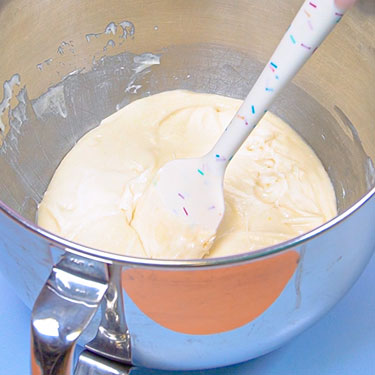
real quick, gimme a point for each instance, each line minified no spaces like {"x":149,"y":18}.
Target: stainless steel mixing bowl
{"x":66,"y":65}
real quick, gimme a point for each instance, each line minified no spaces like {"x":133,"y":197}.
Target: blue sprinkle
{"x":292,"y":38}
{"x":217,"y":155}
{"x":274,"y":65}
{"x":253,"y":109}
{"x":200,"y":172}
{"x":277,"y":77}
{"x":269,"y":89}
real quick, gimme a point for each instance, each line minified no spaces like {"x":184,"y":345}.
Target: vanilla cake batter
{"x":275,"y":187}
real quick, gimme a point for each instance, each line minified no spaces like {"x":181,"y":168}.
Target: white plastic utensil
{"x":192,"y":189}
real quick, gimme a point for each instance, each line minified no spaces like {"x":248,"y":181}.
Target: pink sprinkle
{"x":312,"y":4}
{"x":310,"y":25}
{"x":242,"y":118}
{"x":339,"y":14}
{"x":220,"y":158}
{"x":186,"y":213}
{"x":180,"y":195}
{"x":272,"y":68}
{"x":305,"y":46}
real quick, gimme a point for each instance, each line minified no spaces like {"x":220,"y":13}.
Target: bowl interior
{"x":116,"y":52}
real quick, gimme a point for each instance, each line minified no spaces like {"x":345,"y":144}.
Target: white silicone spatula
{"x":192,"y":189}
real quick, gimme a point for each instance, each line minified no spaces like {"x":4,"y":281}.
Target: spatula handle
{"x":313,"y":22}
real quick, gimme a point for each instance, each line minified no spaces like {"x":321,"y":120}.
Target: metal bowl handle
{"x":63,"y":309}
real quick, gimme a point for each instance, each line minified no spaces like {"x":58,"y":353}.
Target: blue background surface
{"x":343,"y":342}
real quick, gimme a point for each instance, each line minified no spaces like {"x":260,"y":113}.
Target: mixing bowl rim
{"x":106,"y":257}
